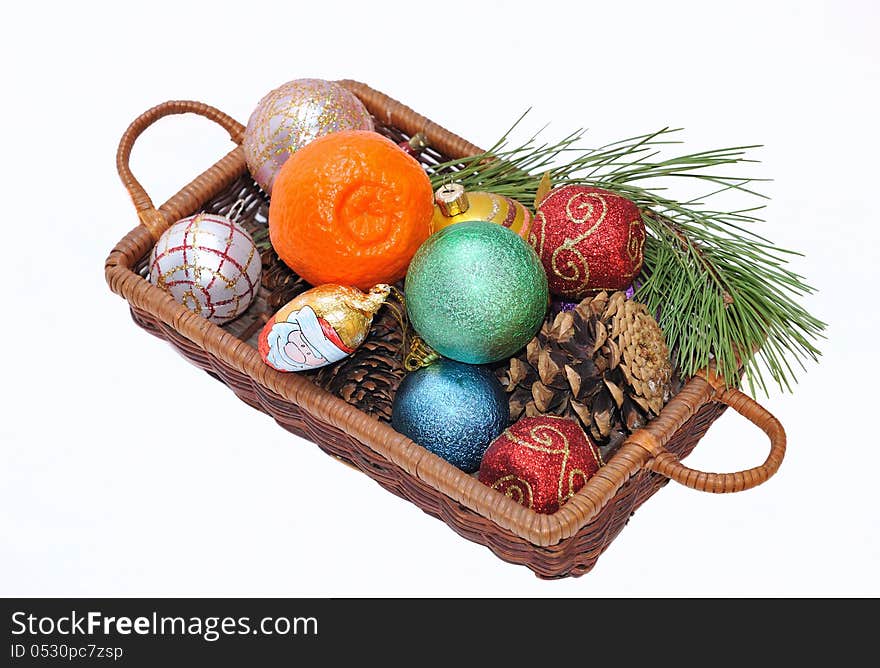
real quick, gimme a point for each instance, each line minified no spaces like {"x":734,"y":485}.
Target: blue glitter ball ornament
{"x":454,"y":410}
{"x":476,"y":292}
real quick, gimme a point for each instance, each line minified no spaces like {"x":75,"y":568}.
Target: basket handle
{"x":150,"y":218}
{"x":668,"y":464}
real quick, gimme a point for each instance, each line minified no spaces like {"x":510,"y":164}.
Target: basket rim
{"x":539,"y":529}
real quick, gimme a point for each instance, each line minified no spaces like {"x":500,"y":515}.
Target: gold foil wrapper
{"x":347,"y":310}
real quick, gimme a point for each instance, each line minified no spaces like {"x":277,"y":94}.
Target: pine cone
{"x":604,"y":364}
{"x":280,"y":282}
{"x":646,"y":364}
{"x":369,"y":378}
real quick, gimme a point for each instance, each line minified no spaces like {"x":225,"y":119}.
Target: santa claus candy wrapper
{"x":320,"y":326}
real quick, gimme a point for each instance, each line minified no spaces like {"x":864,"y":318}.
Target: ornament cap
{"x":452,"y":199}
{"x":420,"y":355}
{"x":416,"y":144}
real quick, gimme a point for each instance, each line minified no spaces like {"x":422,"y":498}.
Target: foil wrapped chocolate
{"x":320,"y":326}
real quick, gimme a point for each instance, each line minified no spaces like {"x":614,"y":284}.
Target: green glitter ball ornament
{"x":476,"y":292}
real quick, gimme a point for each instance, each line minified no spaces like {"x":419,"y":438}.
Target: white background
{"x":127,"y":471}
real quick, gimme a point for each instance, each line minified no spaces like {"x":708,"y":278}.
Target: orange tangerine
{"x":350,"y":208}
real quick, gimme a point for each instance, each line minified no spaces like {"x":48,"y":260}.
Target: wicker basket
{"x":566,"y":543}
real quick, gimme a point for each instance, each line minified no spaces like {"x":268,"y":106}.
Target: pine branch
{"x":721,"y":291}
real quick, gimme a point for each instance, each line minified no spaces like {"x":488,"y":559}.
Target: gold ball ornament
{"x":453,"y":204}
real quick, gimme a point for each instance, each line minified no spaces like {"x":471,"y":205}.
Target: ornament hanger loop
{"x":397,"y":294}
{"x":420,"y":355}
{"x":396,"y":303}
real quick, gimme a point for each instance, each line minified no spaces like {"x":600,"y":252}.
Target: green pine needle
{"x":721,"y":291}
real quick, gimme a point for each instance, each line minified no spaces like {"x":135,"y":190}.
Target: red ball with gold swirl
{"x":540,"y":462}
{"x":589,"y":239}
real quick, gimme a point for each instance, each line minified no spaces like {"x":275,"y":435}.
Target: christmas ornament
{"x":604,"y":364}
{"x":319,"y":327}
{"x":540,"y":462}
{"x":208,"y":263}
{"x":350,"y":208}
{"x":454,"y":205}
{"x":293,"y":115}
{"x":588,"y":239}
{"x":454,"y":410}
{"x":476,"y":292}
{"x":415,"y":144}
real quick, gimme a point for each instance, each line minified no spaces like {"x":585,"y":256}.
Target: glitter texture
{"x":562,"y":306}
{"x":209,"y":264}
{"x":476,"y":292}
{"x":291,"y":116}
{"x":588,"y":239}
{"x":454,"y":410}
{"x":540,"y":462}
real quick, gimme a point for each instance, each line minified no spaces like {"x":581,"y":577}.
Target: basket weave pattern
{"x":567,"y":543}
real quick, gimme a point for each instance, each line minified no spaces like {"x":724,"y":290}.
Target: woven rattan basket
{"x":566,"y":543}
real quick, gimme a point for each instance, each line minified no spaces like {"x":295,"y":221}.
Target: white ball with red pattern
{"x":209,"y":264}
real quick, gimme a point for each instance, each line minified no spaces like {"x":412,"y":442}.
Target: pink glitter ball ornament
{"x":291,"y":116}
